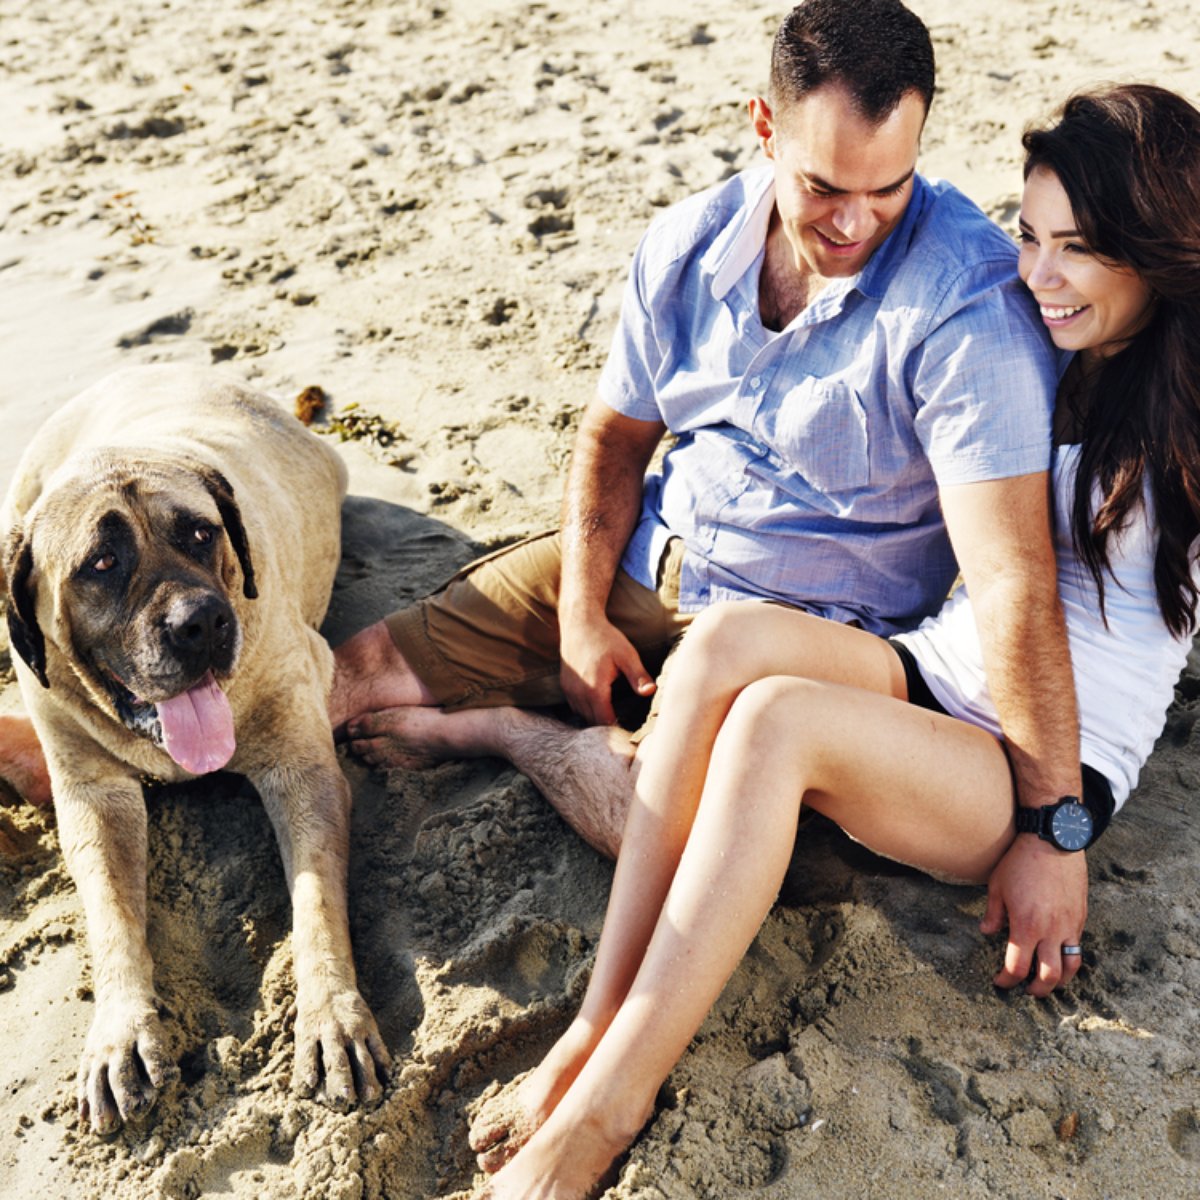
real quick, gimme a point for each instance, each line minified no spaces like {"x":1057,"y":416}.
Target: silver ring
{"x":1072,"y":950}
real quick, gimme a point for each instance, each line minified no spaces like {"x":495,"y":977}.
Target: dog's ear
{"x":221,"y":491}
{"x":24,"y":633}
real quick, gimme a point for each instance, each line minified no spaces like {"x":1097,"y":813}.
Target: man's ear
{"x":763,"y":122}
{"x":24,"y":633}
{"x":220,"y":489}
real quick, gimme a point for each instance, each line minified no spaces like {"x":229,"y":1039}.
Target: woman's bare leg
{"x":727,"y":647}
{"x":913,"y":785}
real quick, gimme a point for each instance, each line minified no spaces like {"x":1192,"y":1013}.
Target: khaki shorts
{"x":490,"y":635}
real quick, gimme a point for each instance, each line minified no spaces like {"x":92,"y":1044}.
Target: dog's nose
{"x":197,"y":627}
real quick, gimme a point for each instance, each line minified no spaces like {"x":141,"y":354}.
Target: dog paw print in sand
{"x":270,"y":268}
{"x":251,"y":341}
{"x":1183,"y":1133}
{"x":553,"y":222}
{"x":498,"y":318}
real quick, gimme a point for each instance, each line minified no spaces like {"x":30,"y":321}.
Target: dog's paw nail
{"x":163,"y":1076}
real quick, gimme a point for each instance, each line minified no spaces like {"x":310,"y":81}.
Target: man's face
{"x":841,"y":183}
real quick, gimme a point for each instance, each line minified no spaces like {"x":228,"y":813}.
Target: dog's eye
{"x":202,"y":535}
{"x":105,"y":562}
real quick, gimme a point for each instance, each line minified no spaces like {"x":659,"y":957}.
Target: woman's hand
{"x":1043,"y":893}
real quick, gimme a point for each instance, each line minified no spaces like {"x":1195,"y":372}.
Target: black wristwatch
{"x":1066,"y":824}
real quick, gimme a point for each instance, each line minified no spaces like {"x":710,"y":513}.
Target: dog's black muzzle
{"x":199,"y":633}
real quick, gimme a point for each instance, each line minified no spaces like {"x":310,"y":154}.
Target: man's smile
{"x":838,"y":246}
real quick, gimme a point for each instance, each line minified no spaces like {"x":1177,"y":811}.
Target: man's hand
{"x":601,"y":504}
{"x":1043,"y":893}
{"x":594,"y":654}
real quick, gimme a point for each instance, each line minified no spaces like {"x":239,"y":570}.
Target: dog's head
{"x":129,"y":576}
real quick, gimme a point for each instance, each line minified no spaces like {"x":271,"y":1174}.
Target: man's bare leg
{"x":586,"y":774}
{"x":22,"y":764}
{"x":391,"y":719}
{"x":370,"y":674}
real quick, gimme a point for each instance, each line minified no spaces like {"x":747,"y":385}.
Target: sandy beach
{"x":427,"y":209}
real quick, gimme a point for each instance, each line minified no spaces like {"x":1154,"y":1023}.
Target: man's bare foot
{"x":370,"y":674}
{"x":416,"y":737}
{"x":22,"y":764}
{"x":507,"y":1117}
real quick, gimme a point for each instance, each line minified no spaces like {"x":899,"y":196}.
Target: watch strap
{"x":1032,"y":820}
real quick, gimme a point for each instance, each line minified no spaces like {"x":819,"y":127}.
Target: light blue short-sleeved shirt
{"x":807,"y":462}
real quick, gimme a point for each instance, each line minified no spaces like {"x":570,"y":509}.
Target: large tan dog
{"x":171,"y":543}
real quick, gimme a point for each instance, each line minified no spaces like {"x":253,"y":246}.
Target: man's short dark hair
{"x":877,"y":49}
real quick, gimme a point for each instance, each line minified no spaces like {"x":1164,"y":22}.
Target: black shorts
{"x":1097,"y":791}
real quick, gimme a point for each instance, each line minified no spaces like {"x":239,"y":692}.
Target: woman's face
{"x":1086,"y":304}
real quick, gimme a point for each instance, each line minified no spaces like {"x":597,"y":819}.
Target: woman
{"x":769,"y":710}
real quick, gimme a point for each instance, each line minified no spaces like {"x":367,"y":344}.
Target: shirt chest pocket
{"x":822,"y":434}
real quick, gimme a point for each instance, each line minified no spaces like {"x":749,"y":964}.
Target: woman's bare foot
{"x":502,"y":1123}
{"x":508,"y":1116}
{"x":573,"y":1156}
{"x":22,"y":764}
{"x":369,"y":674}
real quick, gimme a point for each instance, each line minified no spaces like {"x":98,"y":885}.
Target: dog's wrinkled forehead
{"x":105,"y":500}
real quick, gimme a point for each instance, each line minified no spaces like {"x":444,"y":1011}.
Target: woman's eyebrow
{"x":1054,"y":233}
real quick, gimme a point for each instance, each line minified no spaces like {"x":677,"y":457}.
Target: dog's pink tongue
{"x":198,"y":727}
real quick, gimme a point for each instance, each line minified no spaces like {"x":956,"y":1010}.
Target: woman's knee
{"x":763,"y":757}
{"x":723,"y":643}
{"x":777,"y":714}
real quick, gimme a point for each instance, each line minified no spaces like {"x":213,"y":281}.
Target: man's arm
{"x":601,"y":504}
{"x":1001,"y":535}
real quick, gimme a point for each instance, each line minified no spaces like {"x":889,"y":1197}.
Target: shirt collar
{"x":736,"y":248}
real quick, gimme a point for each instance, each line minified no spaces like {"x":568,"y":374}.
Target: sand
{"x":427,"y":209}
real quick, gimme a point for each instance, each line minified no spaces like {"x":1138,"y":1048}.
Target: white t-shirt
{"x":1124,"y":674}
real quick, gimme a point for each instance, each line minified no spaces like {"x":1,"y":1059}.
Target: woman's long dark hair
{"x":1129,"y":160}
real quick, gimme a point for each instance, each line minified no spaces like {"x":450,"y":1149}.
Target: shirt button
{"x":756,"y":383}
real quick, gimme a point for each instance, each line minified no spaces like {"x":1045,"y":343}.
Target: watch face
{"x":1071,"y":826}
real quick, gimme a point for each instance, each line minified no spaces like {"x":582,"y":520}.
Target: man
{"x":855,"y":381}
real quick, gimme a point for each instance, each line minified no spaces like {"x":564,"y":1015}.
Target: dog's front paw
{"x":340,"y":1057}
{"x":125,"y":1064}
